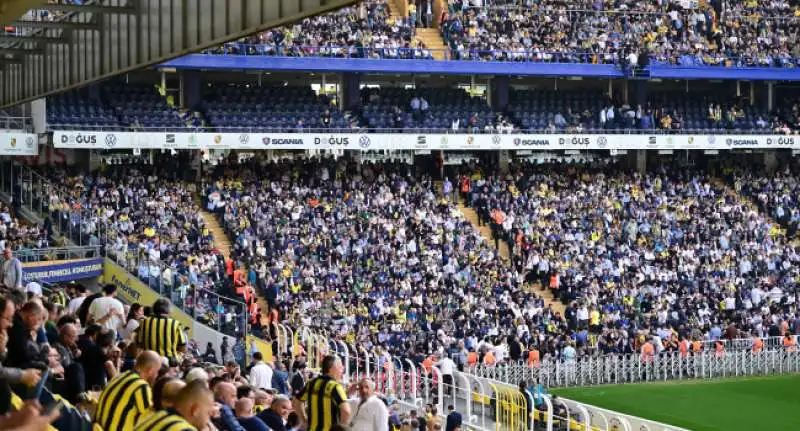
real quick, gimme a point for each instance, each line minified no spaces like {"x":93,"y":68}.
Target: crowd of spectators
{"x":775,"y":193}
{"x":669,"y":255}
{"x":371,"y":253}
{"x":731,"y":33}
{"x":148,"y":219}
{"x":366,"y":30}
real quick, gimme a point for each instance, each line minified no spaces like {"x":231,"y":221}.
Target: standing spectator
{"x":260,"y":373}
{"x":169,"y":340}
{"x":107,"y":311}
{"x":454,"y":419}
{"x":12,"y":270}
{"x":371,"y":413}
{"x":327,"y":392}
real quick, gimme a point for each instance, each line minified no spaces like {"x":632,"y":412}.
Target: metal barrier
{"x":631,"y":368}
{"x":56,"y":253}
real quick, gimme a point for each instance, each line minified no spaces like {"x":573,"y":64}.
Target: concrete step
{"x":221,"y":240}
{"x":434,"y":41}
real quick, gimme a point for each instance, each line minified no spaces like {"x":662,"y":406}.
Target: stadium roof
{"x":79,"y":44}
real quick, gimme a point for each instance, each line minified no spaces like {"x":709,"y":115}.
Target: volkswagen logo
{"x":29,"y":141}
{"x":602,"y":141}
{"x":244,"y":138}
{"x":712,"y":139}
{"x":111,"y":140}
{"x":496,"y":139}
{"x":364,"y":141}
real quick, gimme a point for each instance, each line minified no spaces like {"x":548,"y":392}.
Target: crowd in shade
{"x":365,"y":30}
{"x":152,"y":226}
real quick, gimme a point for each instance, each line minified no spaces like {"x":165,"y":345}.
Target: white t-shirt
{"x":130,"y":328}
{"x":102,"y":306}
{"x":75,"y":304}
{"x":261,"y":376}
{"x":372,"y":415}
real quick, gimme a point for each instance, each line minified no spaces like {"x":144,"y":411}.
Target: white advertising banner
{"x":410,"y":141}
{"x":18,"y":144}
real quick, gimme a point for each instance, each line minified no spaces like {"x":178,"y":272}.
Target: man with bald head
{"x":370,"y":412}
{"x":225,"y":395}
{"x":129,"y":395}
{"x":194,"y":405}
{"x":244,"y":414}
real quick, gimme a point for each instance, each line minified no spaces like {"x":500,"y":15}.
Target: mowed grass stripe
{"x":749,"y":404}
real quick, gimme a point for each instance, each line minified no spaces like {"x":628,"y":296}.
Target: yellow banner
{"x":264,"y":347}
{"x":130,"y":289}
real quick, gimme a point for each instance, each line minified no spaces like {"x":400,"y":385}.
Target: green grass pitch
{"x":744,"y":404}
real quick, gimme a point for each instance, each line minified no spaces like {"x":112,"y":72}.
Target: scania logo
{"x":111,"y":140}
{"x":364,"y":141}
{"x":265,"y":141}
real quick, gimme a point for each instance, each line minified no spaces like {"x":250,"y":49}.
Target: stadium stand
{"x":239,"y":108}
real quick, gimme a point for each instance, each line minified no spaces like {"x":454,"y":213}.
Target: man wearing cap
{"x":12,"y":270}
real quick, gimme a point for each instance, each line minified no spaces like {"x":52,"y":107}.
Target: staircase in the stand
{"x":221,"y":240}
{"x":433,"y":40}
{"x":398,"y":9}
{"x":472,"y":216}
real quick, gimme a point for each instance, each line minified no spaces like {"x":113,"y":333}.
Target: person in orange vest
{"x":789,"y":343}
{"x":489,"y":359}
{"x":758,"y":344}
{"x":534,"y":358}
{"x":697,"y":347}
{"x":648,"y":351}
{"x":472,"y":358}
{"x":465,"y":188}
{"x":683,"y":347}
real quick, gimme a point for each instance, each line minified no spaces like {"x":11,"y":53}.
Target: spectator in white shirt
{"x":261,"y":373}
{"x":75,"y":303}
{"x":107,"y":311}
{"x":371,"y":413}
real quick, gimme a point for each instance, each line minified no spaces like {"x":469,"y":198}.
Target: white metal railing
{"x":631,"y":368}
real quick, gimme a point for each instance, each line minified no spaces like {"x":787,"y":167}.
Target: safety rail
{"x":228,"y":316}
{"x":56,"y":253}
{"x":413,"y":130}
{"x":633,"y":368}
{"x":475,"y":54}
{"x":485,"y":403}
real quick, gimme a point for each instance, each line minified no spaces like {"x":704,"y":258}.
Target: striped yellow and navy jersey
{"x":162,"y":335}
{"x":322,"y":397}
{"x":60,"y":297}
{"x":123,"y":401}
{"x":164,"y":420}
